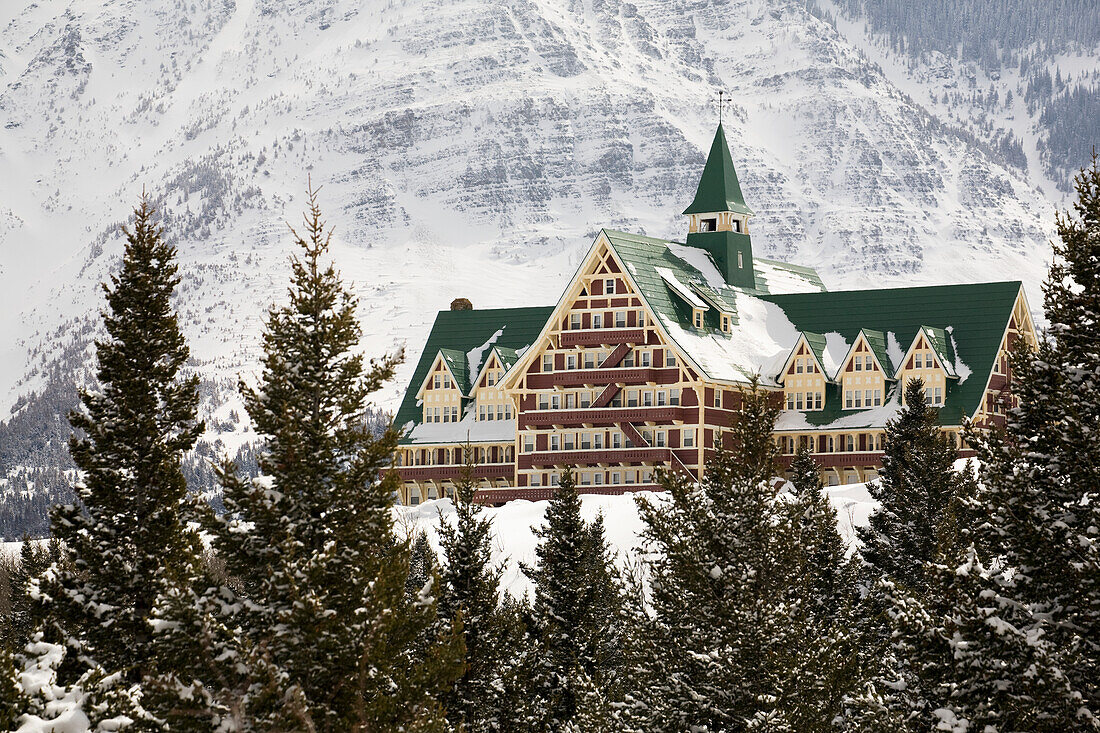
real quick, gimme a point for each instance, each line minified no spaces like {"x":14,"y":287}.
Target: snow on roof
{"x":836,"y":348}
{"x":758,"y":345}
{"x":894,"y":351}
{"x":961,"y":369}
{"x":474,"y":355}
{"x":466,"y":429}
{"x":680,"y":289}
{"x":876,"y":417}
{"x":701,"y":260}
{"x":782,"y":278}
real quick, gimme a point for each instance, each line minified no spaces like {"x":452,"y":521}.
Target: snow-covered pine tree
{"x":574,"y":610}
{"x":733,"y":617}
{"x":20,"y":624}
{"x":469,"y":590}
{"x":917,"y":483}
{"x":422,"y":565}
{"x":125,"y":540}
{"x":1037,"y":546}
{"x":334,"y":644}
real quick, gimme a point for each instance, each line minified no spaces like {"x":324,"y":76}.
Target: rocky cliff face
{"x":464,"y":148}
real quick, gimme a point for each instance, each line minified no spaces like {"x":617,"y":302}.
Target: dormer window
{"x":697,"y":317}
{"x":437,"y":381}
{"x":708,"y":225}
{"x":726,"y":327}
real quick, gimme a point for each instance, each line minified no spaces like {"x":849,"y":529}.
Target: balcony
{"x":601,"y":336}
{"x":627,"y":375}
{"x":607,"y":416}
{"x":496,"y":497}
{"x":608,"y":456}
{"x":435,"y":473}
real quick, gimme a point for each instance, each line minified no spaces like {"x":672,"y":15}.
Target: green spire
{"x":718,"y":188}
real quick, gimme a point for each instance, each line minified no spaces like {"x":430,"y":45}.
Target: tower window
{"x":708,"y":225}
{"x":737,"y":225}
{"x":740,"y":260}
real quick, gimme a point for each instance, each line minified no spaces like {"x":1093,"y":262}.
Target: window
{"x":620,"y":319}
{"x":597,"y":320}
{"x":646,"y":358}
{"x":437,"y":381}
{"x":555,"y":442}
{"x":939,"y":396}
{"x":660,"y":438}
{"x":708,"y":225}
{"x":740,"y":260}
{"x":857,"y":364}
{"x":609,"y":286}
{"x":544,"y":402}
{"x":717,"y":398}
{"x":661,"y":398}
{"x":798,"y":365}
{"x":867,"y":395}
{"x":528,"y":443}
{"x":454,"y":414}
{"x":598,"y":478}
{"x":571,"y":361}
{"x":616,"y":441}
{"x":586,"y":441}
{"x":589,"y":360}
{"x":849,"y":443}
{"x":500,"y":412}
{"x":688,"y":438}
{"x":868,"y":363}
{"x":586,"y":399}
{"x":918,"y":360}
{"x":670,"y":358}
{"x":726,"y":323}
{"x":647,"y":399}
{"x":858,"y":395}
{"x":616,"y":477}
{"x":790,"y":400}
{"x":674,"y":397}
{"x":817,"y":400}
{"x":878,"y":398}
{"x":641,"y":319}
{"x":490,"y":379}
{"x":555,"y":479}
{"x":798,"y":401}
{"x":847,"y":399}
{"x":547,"y":362}
{"x":737,"y":225}
{"x":628,"y":360}
{"x":536,"y":479}
{"x":555,"y":402}
{"x":632,"y":398}
{"x":570,"y":401}
{"x":597,"y":441}
{"x":574,"y":321}
{"x":698,"y":318}
{"x":446,"y":414}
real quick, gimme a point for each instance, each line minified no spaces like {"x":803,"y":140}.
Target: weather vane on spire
{"x":723,"y":100}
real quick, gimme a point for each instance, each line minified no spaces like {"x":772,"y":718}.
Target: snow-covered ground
{"x":514,"y":541}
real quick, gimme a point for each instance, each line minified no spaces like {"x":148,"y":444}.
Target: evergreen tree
{"x":332,"y":641}
{"x":1023,"y":596}
{"x":126,"y":540}
{"x":470,"y":583}
{"x":742,"y":635}
{"x":20,"y":624}
{"x":422,"y":565}
{"x":574,"y":611}
{"x":917,"y":483}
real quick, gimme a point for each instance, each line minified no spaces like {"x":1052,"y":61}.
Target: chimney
{"x":461,"y":304}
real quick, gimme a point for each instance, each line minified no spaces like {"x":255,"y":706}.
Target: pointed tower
{"x":718,"y":219}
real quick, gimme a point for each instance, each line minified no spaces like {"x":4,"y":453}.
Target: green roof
{"x":877,"y":341}
{"x":456,"y":333}
{"x":718,"y":187}
{"x":816,"y":342}
{"x":941,"y":344}
{"x":970,"y":321}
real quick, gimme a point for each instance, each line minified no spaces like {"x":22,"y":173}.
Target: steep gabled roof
{"x":456,"y":362}
{"x":876,"y":341}
{"x":718,"y":187}
{"x":940,"y":342}
{"x":655,"y":263}
{"x":816,"y":344}
{"x":458,"y":333}
{"x":973,"y":319}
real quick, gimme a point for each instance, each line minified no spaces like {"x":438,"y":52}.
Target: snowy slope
{"x":465,"y":148}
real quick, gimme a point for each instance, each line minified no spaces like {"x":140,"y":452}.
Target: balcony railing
{"x":599,"y":455}
{"x":598,"y":336}
{"x":482,"y":470}
{"x":607,"y":415}
{"x":619,"y":375}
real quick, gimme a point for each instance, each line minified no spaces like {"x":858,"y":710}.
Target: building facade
{"x":642,"y":361}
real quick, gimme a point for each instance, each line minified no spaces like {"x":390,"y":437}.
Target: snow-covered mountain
{"x":464,"y":148}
